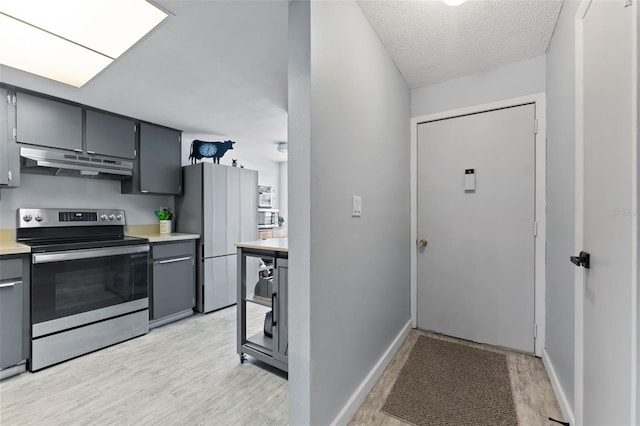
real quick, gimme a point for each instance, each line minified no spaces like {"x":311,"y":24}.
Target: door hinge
{"x":135,"y":128}
{"x":9,"y":99}
{"x":535,"y":330}
{"x":15,"y":133}
{"x":535,"y":126}
{"x":9,"y":176}
{"x":14,"y":100}
{"x":628,"y":3}
{"x":535,"y":229}
{"x":135,"y":153}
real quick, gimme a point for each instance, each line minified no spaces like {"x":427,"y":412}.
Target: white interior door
{"x":476,"y":274}
{"x":605,"y":206}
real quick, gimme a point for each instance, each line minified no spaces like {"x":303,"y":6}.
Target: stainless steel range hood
{"x":59,"y":163}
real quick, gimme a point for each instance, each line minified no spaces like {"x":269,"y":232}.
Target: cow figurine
{"x":203,"y":149}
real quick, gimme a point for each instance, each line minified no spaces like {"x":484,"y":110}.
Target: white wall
{"x":560,"y":198}
{"x":359,"y":268}
{"x":71,"y":192}
{"x":504,"y":82}
{"x":552,"y":73}
{"x":268,"y":170}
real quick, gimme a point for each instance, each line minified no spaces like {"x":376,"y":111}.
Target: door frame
{"x":539,"y":99}
{"x":578,"y":405}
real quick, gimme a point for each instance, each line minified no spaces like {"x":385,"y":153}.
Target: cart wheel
{"x":242,"y":358}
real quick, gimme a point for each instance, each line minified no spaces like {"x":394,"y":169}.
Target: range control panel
{"x":34,"y":218}
{"x":78,"y":217}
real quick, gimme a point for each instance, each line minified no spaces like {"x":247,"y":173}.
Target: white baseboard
{"x":346,"y":414}
{"x":565,"y":407}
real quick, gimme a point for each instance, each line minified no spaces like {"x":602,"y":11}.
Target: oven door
{"x":76,"y":287}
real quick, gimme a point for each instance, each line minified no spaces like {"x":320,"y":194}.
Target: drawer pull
{"x":4,"y":285}
{"x":179,"y":259}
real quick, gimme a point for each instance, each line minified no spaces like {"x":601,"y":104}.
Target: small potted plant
{"x":280,"y":221}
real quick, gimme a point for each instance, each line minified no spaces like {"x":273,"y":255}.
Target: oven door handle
{"x":61,"y":256}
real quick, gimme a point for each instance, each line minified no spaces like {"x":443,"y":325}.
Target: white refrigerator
{"x":220,"y":203}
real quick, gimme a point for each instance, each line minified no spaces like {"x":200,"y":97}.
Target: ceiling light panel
{"x":37,"y":52}
{"x":106,"y":26}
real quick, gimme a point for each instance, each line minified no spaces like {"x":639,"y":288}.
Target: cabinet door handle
{"x":274,"y":313}
{"x":4,"y":285}
{"x":179,"y":259}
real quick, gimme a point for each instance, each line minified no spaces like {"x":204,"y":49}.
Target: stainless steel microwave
{"x":265,"y":197}
{"x":268,"y":218}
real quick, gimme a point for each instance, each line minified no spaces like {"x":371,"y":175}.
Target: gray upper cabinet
{"x":44,"y":122}
{"x":4,"y":137}
{"x":9,"y":155}
{"x":160,"y":169}
{"x":110,"y":135}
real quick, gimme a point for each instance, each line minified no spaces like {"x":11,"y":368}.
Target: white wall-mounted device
{"x":470,"y":180}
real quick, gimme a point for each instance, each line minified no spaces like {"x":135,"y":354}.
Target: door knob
{"x":583,"y":259}
{"x":422,"y":243}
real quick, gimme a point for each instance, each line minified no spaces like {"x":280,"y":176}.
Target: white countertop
{"x":273,"y":244}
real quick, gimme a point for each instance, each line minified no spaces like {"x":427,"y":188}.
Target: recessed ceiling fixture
{"x":283,"y":147}
{"x":69,"y":40}
{"x":453,"y":2}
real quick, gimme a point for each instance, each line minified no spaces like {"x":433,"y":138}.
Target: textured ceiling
{"x":431,"y":42}
{"x":218,"y":69}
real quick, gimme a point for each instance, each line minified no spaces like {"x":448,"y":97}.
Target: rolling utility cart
{"x":270,"y":349}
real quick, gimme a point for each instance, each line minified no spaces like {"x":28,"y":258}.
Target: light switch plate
{"x":356,"y":202}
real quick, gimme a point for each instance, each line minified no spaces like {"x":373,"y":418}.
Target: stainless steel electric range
{"x":89,"y":282}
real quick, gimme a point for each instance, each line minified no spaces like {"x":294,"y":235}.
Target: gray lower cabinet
{"x":13,"y":314}
{"x":109,"y":134}
{"x":173,"y":278}
{"x":44,"y":122}
{"x":158,"y":169}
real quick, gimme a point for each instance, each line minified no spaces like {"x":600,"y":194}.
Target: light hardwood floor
{"x":185,"y":373}
{"x":188,"y":373}
{"x":532,"y":393}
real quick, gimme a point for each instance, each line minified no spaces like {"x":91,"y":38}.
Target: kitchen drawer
{"x":164,"y":250}
{"x":10,"y":268}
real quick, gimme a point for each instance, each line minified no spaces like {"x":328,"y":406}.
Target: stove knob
{"x":112,"y":217}
{"x":27,"y":218}
{"x":39,"y":218}
{"x":119,"y":217}
{"x":103,"y":217}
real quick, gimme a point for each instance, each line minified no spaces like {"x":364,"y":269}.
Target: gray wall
{"x":299,"y":137}
{"x":359,"y":141}
{"x":70,"y":192}
{"x":560,"y":198}
{"x":504,"y":82}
